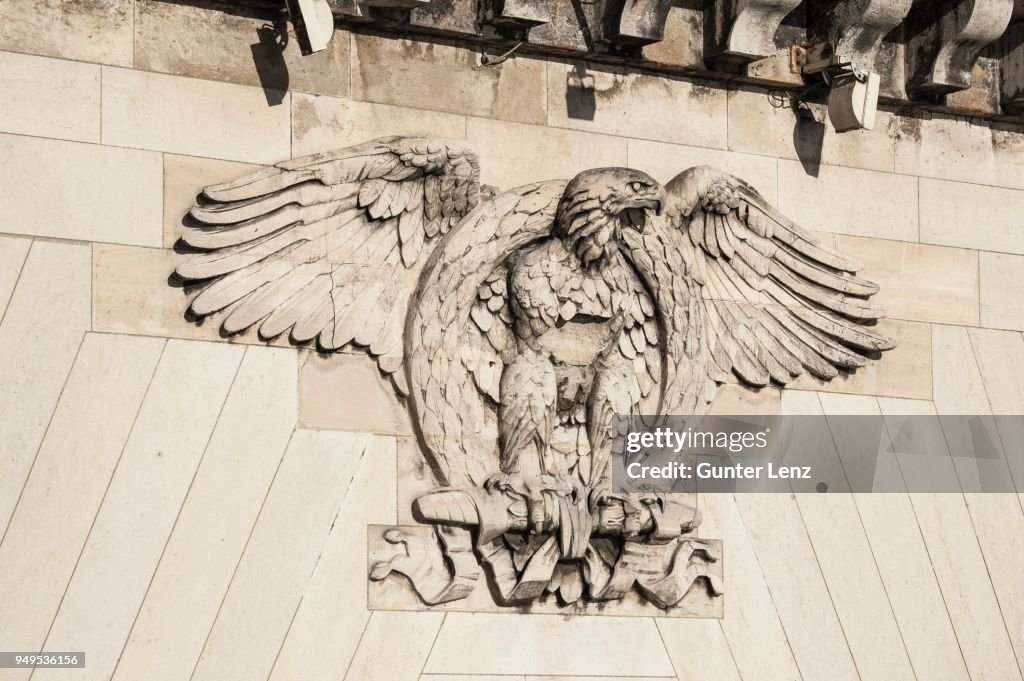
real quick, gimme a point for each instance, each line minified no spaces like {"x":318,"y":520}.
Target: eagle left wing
{"x":775,"y":303}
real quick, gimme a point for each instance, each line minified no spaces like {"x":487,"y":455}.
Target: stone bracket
{"x":636,"y":22}
{"x":855,"y":27}
{"x":742,"y":31}
{"x":946,"y":39}
{"x":514,"y":13}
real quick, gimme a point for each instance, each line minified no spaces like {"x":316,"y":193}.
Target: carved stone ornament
{"x":515,"y":325}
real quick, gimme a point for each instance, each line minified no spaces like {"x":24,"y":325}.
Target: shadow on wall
{"x":268,"y":58}
{"x":808,"y":130}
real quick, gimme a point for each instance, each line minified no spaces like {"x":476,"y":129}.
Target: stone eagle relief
{"x":516,"y":324}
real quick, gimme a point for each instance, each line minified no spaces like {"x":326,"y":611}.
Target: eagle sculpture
{"x":517,"y":324}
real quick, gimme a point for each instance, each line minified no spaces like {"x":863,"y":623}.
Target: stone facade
{"x":184,"y":506}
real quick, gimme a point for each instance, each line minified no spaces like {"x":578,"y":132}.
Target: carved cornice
{"x":922,"y":50}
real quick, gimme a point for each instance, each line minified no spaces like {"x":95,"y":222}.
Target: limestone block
{"x":751,"y":624}
{"x":324,"y":123}
{"x":330,"y":621}
{"x":1000,"y":357}
{"x":13,"y":252}
{"x":289,"y":537}
{"x":798,"y":589}
{"x":849,"y":200}
{"x":193,"y":117}
{"x":49,"y":97}
{"x":184,"y":178}
{"x":972,"y":216}
{"x":919,"y":282}
{"x":963,"y":577}
{"x":65,"y":190}
{"x":38,"y":342}
{"x":665,"y":161}
{"x":132,"y":294}
{"x":904,"y":565}
{"x":905,"y":371}
{"x":959,"y":388}
{"x":733,"y":399}
{"x":513,"y":154}
{"x":81,"y":449}
{"x":700,"y":648}
{"x":141,"y":504}
{"x":1002,"y":291}
{"x":478,"y":643}
{"x":98,"y":31}
{"x":347,"y":392}
{"x":215,"y":520}
{"x":445,"y":78}
{"x":394,"y":646}
{"x":955,"y":149}
{"x":758,"y":126}
{"x":236,"y":47}
{"x":636,"y":105}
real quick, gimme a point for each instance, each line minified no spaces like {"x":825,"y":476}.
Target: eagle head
{"x":597,"y":204}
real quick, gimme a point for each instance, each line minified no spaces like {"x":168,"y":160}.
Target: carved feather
{"x":329,"y":246}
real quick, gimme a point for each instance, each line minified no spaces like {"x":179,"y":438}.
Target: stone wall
{"x":183,"y":506}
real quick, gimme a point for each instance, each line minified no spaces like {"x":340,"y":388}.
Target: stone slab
{"x":235,"y":46}
{"x":919,"y":282}
{"x":972,"y":216}
{"x":347,"y":392}
{"x":49,"y":97}
{"x":489,"y":644}
{"x":445,"y":78}
{"x":849,"y":200}
{"x":1002,"y":291}
{"x":636,"y":105}
{"x":324,"y":123}
{"x":905,"y":371}
{"x":513,"y":154}
{"x":99,"y":31}
{"x":193,"y":117}
{"x":70,"y":190}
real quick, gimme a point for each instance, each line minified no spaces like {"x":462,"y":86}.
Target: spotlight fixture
{"x":853,"y":93}
{"x":314,"y":24}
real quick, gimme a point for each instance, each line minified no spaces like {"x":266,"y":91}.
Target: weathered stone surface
{"x":905,"y":371}
{"x":636,"y":105}
{"x":735,"y":400}
{"x":1002,"y":291}
{"x":665,"y":161}
{"x":236,"y":47}
{"x":193,"y":117}
{"x":919,"y":282}
{"x":954,"y":149}
{"x":347,"y":392}
{"x":972,"y":216}
{"x":378,"y":653}
{"x":615,"y":646}
{"x":65,"y":190}
{"x":515,"y":154}
{"x":324,"y":123}
{"x":433,"y":76}
{"x":49,"y":97}
{"x":982,"y":94}
{"x":98,"y":31}
{"x":184,"y":179}
{"x":849,"y":200}
{"x":741,"y":31}
{"x":762,"y":125}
